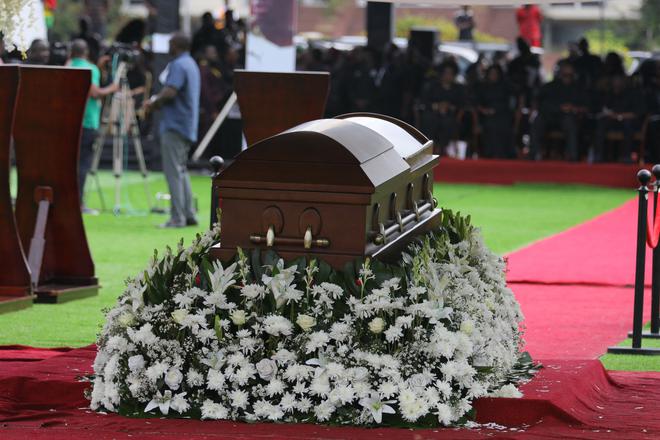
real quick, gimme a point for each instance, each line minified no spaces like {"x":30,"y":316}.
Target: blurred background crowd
{"x":475,"y":96}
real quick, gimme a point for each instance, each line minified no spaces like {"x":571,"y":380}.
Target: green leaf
{"x":217,"y":327}
{"x":255,"y":262}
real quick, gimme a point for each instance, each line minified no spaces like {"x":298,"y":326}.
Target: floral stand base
{"x":410,"y":344}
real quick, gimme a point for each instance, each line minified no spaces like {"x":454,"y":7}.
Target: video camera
{"x":126,"y":53}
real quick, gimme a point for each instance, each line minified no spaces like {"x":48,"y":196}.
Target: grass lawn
{"x":510,"y":217}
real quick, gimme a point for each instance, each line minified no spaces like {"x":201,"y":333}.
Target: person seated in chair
{"x":442,"y":101}
{"x":621,"y":109}
{"x":559,"y":103}
{"x":495,"y":105}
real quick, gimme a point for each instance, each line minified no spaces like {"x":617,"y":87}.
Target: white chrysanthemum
{"x":284,"y":356}
{"x":320,"y":386}
{"x":342,"y":395}
{"x":304,"y":405}
{"x":215,"y":380}
{"x":239,"y":399}
{"x":445,"y":414}
{"x":144,"y":335}
{"x":508,"y":390}
{"x":156,"y":371}
{"x":194,"y":378}
{"x":277,"y":325}
{"x":393,"y":334}
{"x":213,"y":411}
{"x":179,"y":403}
{"x":316,"y":340}
{"x":339,"y":331}
{"x":253,"y":291}
{"x":288,"y":403}
{"x":388,"y":389}
{"x":324,"y":411}
{"x":275,"y":387}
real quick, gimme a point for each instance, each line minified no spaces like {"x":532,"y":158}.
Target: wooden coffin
{"x":338,"y":189}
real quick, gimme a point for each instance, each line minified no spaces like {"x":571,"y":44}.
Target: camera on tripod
{"x":123,"y":52}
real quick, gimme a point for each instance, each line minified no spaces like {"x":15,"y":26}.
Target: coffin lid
{"x":351,"y":153}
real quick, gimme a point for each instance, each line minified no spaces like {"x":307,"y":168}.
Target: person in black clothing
{"x":621,"y":108}
{"x":525,"y":72}
{"x":441,"y":104}
{"x":588,"y":66}
{"x":559,"y":103}
{"x":92,"y":39}
{"x":360,"y":81}
{"x":207,"y":35}
{"x":464,"y":21}
{"x":495,"y":105}
{"x":389,"y":84}
{"x":414,"y":69}
{"x":650,"y":73}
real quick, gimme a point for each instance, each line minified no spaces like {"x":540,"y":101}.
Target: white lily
{"x":160,"y":401}
{"x":221,"y":278}
{"x":377,"y":407}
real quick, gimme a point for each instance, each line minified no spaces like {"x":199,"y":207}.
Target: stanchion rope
{"x":653,"y":227}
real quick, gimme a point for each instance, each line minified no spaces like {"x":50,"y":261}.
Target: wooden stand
{"x":47,"y":128}
{"x":271,"y":102}
{"x":15,"y":292}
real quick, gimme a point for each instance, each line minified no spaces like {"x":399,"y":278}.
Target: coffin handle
{"x":307,"y":239}
{"x":270,"y":236}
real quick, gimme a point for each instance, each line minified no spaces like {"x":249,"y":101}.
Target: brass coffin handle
{"x":270,"y":236}
{"x":308,"y":241}
{"x":383,"y":234}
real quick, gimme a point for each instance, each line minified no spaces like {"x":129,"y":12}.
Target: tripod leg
{"x":106,"y":127}
{"x":117,"y":158}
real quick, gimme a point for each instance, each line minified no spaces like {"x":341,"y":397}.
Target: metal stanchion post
{"x":217,"y":163}
{"x":655,"y":284}
{"x":655,"y":269}
{"x":644,"y":177}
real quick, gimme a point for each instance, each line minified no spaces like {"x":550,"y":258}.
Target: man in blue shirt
{"x":179,"y":104}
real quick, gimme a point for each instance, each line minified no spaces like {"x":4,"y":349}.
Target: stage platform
{"x":41,"y":396}
{"x":507,"y":172}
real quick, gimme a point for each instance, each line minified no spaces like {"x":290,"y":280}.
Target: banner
{"x":269,"y":46}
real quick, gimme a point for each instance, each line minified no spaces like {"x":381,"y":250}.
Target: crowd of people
{"x":502,"y":108}
{"x":498,"y":107}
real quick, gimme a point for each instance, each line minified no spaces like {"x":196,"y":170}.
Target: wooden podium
{"x":47,"y":127}
{"x":15,"y":291}
{"x":272,"y":102}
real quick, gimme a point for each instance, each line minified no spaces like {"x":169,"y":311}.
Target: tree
{"x":645,"y":32}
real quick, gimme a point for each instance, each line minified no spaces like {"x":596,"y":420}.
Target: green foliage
{"x":643,"y":34}
{"x":66,"y":19}
{"x":448,"y":32}
{"x":607,"y":41}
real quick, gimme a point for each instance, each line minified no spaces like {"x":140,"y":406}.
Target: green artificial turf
{"x":633,"y":362}
{"x":510,"y":217}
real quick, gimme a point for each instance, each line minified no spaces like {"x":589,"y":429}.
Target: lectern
{"x":47,"y":127}
{"x":15,"y":291}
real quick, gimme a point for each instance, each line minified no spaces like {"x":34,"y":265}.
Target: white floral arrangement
{"x":260,"y":339}
{"x":11,"y":27}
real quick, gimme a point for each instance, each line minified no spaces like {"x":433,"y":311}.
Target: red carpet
{"x":507,"y":172}
{"x":567,"y":399}
{"x":575,"y":305}
{"x":574,"y":322}
{"x":600,"y":252}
